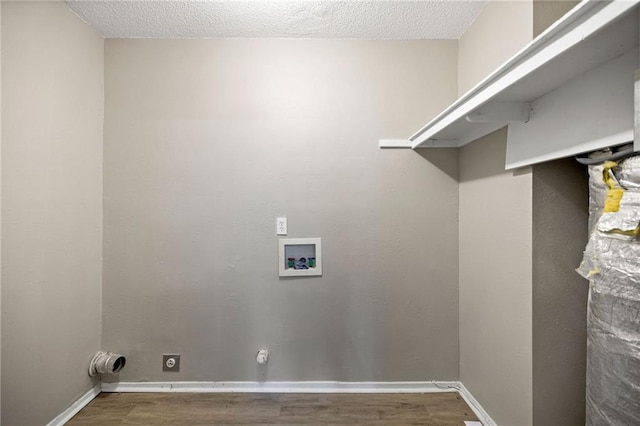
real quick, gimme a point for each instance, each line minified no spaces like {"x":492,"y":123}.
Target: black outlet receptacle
{"x":170,"y":362}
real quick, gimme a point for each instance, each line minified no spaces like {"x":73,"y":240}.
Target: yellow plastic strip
{"x":615,"y":192}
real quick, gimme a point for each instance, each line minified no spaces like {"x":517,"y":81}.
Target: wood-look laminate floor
{"x":437,"y":409}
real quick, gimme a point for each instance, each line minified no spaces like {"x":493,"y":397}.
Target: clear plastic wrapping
{"x":612,"y":265}
{"x":597,"y":195}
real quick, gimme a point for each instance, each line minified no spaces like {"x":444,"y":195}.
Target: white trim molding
{"x":484,"y":417}
{"x":82,"y":402}
{"x":283,"y":387}
{"x":307,"y":387}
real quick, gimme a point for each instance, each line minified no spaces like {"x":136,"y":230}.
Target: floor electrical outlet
{"x":170,"y":362}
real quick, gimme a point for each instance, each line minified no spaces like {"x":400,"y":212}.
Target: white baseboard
{"x":67,"y":414}
{"x":484,"y":417}
{"x":282,"y":387}
{"x":306,"y":387}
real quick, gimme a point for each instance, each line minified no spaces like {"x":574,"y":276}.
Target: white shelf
{"x":591,"y":35}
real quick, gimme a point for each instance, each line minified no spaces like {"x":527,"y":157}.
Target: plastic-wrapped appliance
{"x":611,"y":263}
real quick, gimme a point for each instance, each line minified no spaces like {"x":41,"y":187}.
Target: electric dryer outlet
{"x":171,"y":362}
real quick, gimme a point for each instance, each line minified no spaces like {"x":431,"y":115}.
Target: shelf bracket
{"x":501,"y":112}
{"x":395,"y":143}
{"x":440,"y":143}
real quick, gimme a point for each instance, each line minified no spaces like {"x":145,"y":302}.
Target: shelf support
{"x":395,"y":143}
{"x":501,"y":112}
{"x":440,"y":143}
{"x":407,"y":143}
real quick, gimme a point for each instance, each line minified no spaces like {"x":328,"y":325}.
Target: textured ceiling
{"x":359,"y":19}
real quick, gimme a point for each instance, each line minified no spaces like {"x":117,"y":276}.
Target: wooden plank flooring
{"x":437,"y":409}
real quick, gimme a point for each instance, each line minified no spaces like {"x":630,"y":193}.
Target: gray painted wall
{"x":207,"y":142}
{"x":52,"y":109}
{"x":498,"y":33}
{"x":546,"y":12}
{"x":517,"y":342}
{"x":560,"y":227}
{"x":495,"y":281}
{"x":202,"y":137}
{"x":495,"y":235}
